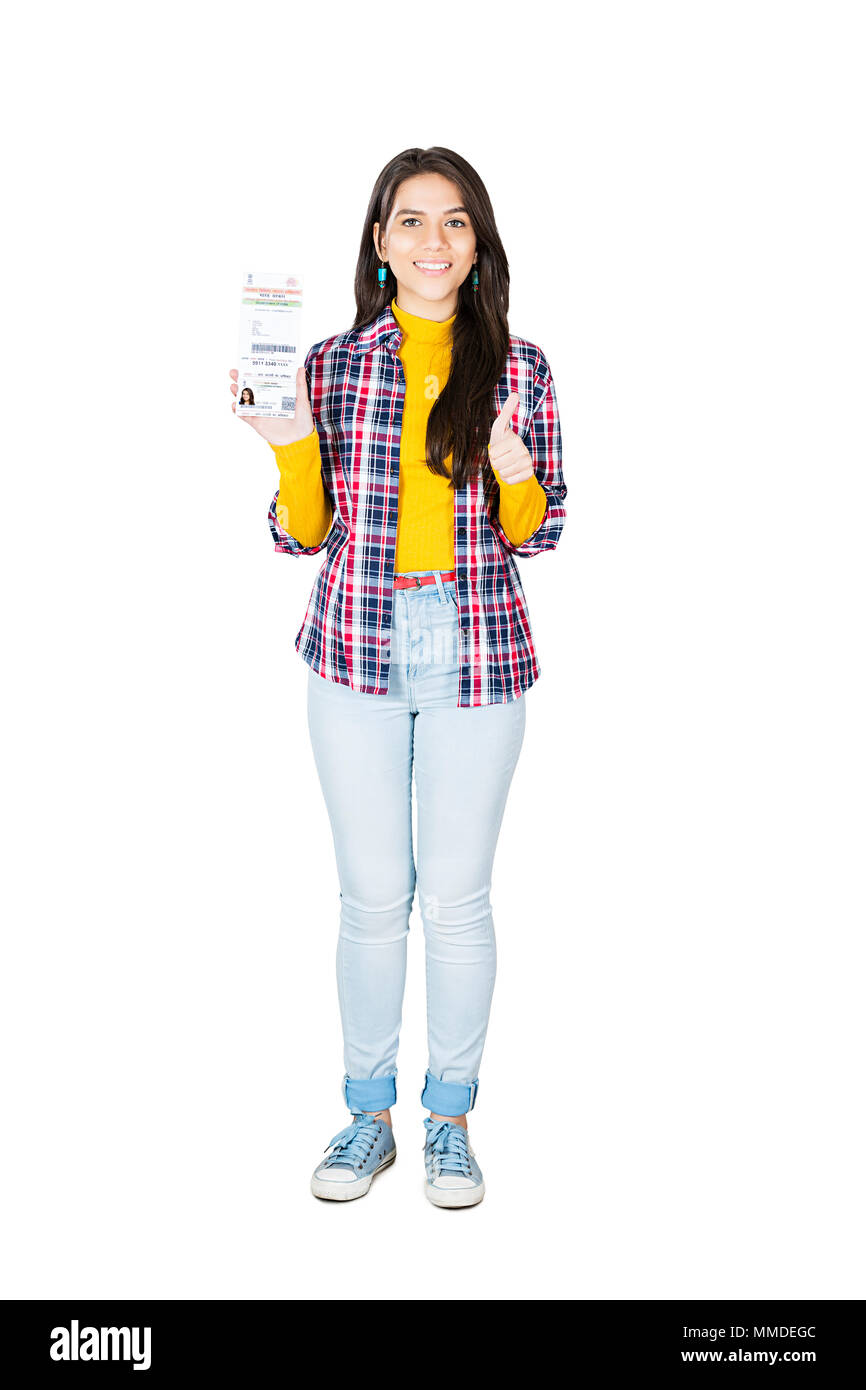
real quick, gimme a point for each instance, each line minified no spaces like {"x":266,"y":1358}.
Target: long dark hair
{"x":462,"y":415}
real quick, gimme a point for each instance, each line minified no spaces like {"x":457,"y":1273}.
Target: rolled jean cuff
{"x":448,"y":1097}
{"x":379,"y":1093}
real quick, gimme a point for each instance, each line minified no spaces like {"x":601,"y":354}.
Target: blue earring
{"x":383,"y":275}
{"x":474,"y":278}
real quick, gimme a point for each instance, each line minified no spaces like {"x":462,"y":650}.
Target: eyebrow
{"x":416,"y":212}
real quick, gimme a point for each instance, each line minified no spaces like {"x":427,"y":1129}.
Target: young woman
{"x":424,"y":455}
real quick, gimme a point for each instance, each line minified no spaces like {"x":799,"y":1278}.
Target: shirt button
{"x":461,"y":530}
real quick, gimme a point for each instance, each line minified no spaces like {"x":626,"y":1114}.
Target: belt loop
{"x":440,"y":586}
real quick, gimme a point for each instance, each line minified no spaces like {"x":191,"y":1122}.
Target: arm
{"x":544,"y":443}
{"x":302,"y":510}
{"x":521,"y":507}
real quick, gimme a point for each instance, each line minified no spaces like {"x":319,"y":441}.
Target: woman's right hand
{"x":277,"y":430}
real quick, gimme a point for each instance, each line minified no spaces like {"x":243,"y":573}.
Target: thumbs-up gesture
{"x":509,"y":456}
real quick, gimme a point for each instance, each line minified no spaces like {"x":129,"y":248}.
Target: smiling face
{"x":429,"y":243}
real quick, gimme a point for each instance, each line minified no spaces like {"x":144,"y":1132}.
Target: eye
{"x":458,"y":220}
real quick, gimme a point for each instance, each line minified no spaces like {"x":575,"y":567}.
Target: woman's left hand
{"x":507,"y":452}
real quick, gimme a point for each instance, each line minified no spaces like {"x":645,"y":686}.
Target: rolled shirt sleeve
{"x":303,"y":510}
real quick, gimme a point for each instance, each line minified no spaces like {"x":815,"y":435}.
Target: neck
{"x":417,"y":329}
{"x":436,"y":310}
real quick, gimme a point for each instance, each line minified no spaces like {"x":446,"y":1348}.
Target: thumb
{"x":502,"y":423}
{"x":301,"y":392}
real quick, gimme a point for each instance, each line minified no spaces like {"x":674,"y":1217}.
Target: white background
{"x":671,"y":1099}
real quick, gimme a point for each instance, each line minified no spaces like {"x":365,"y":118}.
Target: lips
{"x":442,"y":270}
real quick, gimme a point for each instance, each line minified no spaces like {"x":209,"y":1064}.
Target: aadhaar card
{"x":269,"y":346}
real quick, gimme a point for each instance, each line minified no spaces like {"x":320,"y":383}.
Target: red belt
{"x":414,"y":581}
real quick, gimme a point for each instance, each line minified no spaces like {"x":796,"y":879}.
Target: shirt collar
{"x":377,"y":333}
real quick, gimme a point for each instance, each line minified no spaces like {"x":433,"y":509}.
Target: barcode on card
{"x":273,"y":347}
{"x":288,"y":403}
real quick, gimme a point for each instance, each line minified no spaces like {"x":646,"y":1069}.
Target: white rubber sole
{"x":454,"y":1196}
{"x":348,"y":1191}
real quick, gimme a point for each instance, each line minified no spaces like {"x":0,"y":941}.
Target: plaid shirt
{"x":356,"y":386}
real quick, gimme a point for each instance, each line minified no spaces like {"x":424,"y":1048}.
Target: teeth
{"x":433,"y":265}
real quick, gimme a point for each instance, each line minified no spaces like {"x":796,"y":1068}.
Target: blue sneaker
{"x":357,"y":1154}
{"x":453,"y":1177}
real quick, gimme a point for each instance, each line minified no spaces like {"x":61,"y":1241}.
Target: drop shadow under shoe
{"x":355,"y":1156}
{"x":453,"y":1176}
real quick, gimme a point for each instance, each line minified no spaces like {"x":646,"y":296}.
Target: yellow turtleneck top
{"x":425,"y":502}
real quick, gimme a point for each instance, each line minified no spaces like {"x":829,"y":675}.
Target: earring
{"x":474,"y":278}
{"x":383,"y":274}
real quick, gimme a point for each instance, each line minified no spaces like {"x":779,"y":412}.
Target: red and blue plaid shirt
{"x":357,"y":387}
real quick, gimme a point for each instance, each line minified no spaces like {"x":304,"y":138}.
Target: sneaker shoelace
{"x":449,"y":1144}
{"x":354,"y":1143}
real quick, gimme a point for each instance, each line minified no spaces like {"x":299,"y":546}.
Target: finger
{"x":234,"y":373}
{"x":301,"y":384}
{"x":508,"y":446}
{"x":509,"y":466}
{"x":506,"y":464}
{"x":502,"y":422}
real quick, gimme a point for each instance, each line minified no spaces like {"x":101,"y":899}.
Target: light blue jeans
{"x":365,"y":749}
